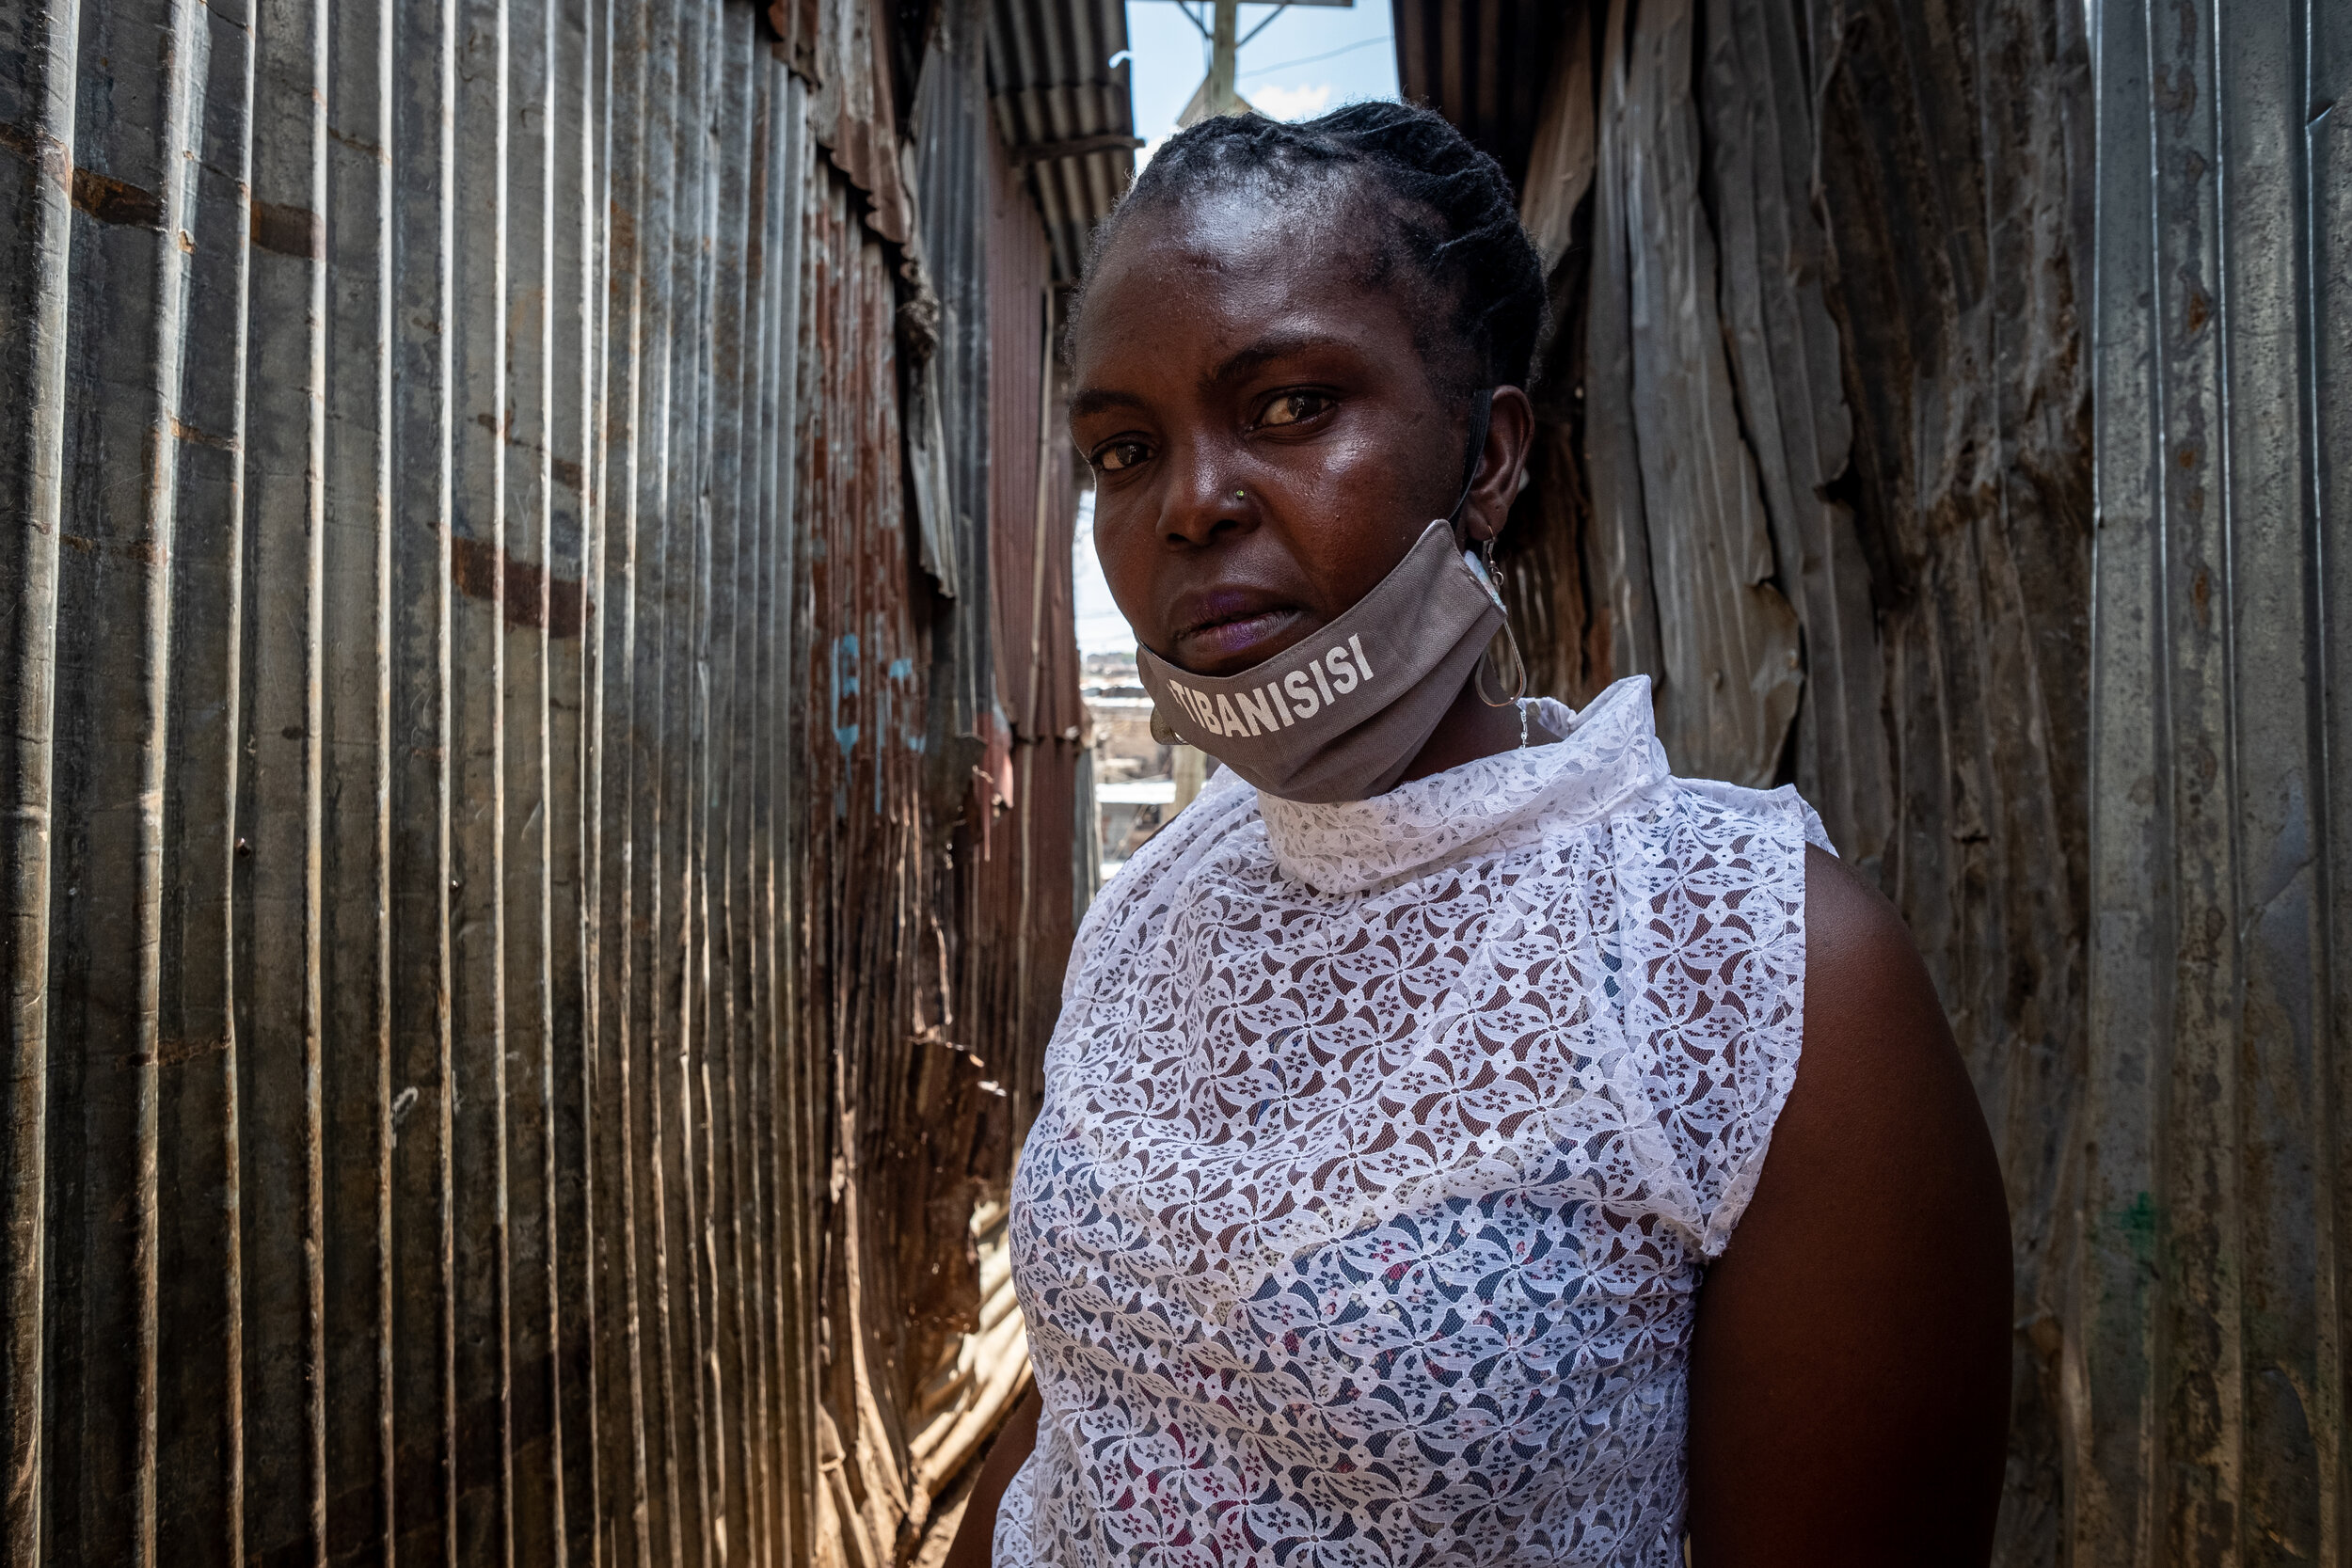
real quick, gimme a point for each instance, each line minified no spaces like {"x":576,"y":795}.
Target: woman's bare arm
{"x":976,"y":1536}
{"x":1850,"y":1373}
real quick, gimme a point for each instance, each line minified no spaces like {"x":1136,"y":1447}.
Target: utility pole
{"x":1218,"y":94}
{"x":1223,"y":54}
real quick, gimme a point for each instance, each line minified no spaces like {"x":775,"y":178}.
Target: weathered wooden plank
{"x":1624,"y":606}
{"x":1560,"y":165}
{"x":1728,"y":674}
{"x":1756,"y":105}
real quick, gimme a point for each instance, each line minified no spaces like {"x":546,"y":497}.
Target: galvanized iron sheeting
{"x":852,"y":107}
{"x":863,"y":892}
{"x":466,"y":685}
{"x":1065,"y":112}
{"x":2205,"y":1379}
{"x":948,"y":402}
{"x":1033,"y":514}
{"x":37,"y":111}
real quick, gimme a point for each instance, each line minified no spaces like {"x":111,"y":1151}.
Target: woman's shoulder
{"x":1737,"y":810}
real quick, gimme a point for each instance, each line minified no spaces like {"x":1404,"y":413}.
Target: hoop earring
{"x":1519,"y":665}
{"x":1519,"y":660}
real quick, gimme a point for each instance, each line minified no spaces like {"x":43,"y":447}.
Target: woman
{"x":1463,"y":1142}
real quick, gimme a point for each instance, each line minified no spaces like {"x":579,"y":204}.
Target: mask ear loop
{"x":1481,"y":414}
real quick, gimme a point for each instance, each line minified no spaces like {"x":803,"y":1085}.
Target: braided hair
{"x":1449,"y":223}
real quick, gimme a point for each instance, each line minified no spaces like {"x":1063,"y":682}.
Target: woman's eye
{"x":1291,"y":407}
{"x":1121,"y":455}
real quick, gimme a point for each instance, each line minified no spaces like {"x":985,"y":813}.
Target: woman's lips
{"x":1236,"y":640}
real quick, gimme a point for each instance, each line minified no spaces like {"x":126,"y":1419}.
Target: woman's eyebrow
{"x":1095,"y":400}
{"x":1274,"y":346}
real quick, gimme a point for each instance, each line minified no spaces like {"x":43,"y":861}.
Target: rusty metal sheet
{"x":1033,"y":515}
{"x":853,"y":109}
{"x":480,"y":954}
{"x":947,"y":393}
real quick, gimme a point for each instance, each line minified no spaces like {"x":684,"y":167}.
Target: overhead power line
{"x":1327,"y":55}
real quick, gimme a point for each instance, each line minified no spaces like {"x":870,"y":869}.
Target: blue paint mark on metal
{"x":845,"y":684}
{"x":903,"y":670}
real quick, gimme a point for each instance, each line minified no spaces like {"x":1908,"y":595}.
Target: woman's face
{"x":1265,"y":439}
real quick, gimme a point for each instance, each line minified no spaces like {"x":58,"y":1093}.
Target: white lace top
{"x":1383,"y":1146}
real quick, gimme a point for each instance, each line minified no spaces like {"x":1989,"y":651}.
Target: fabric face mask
{"x":1343,"y":713}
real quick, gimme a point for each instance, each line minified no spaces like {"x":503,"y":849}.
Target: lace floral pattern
{"x":1383,"y":1145}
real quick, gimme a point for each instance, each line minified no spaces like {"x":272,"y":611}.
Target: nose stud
{"x":1240,"y":494}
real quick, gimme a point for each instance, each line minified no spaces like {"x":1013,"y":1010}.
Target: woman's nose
{"x":1207,"y":498}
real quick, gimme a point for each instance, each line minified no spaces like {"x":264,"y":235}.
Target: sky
{"x":1308,"y":59}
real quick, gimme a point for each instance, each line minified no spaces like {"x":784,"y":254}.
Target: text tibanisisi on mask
{"x":1341,"y":713}
{"x":1300,"y":694}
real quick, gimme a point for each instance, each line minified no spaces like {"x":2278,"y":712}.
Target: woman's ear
{"x":1503,"y":465}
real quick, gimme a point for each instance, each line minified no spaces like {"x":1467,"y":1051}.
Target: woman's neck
{"x":1472,"y":729}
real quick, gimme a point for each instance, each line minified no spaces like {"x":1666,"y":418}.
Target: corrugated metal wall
{"x":1034,"y":502}
{"x":476,"y":943}
{"x":1988,"y":358}
{"x":2206,"y":1376}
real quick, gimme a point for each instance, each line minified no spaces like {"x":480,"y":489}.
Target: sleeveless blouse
{"x":1384,"y":1145}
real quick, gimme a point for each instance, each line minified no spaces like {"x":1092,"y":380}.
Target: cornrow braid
{"x":1450,"y":218}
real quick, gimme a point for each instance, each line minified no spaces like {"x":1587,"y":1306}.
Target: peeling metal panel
{"x":476,"y":1011}
{"x":853,"y":111}
{"x":947,"y":392}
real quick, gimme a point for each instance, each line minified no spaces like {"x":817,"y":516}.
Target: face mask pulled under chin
{"x":1340,"y":714}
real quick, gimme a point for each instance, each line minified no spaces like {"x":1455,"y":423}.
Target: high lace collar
{"x":1608,"y":753}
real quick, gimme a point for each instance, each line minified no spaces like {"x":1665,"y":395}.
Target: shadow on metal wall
{"x":477,"y":922}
